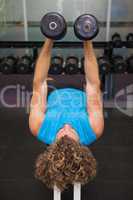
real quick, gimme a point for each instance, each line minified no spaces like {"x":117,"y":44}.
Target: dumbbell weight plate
{"x":116,"y":39}
{"x":119,"y":64}
{"x":86,"y":27}
{"x":130,"y":37}
{"x":53,"y":25}
{"x":104,"y":65}
{"x":71,"y":65}
{"x":56,"y":65}
{"x":8,"y":65}
{"x":23,"y":65}
{"x":130,"y":64}
{"x":55,"y":69}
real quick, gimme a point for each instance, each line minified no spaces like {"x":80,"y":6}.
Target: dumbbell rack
{"x":35,"y":45}
{"x":63,"y":44}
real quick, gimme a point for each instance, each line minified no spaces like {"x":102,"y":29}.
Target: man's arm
{"x":39,"y":98}
{"x":94,"y":100}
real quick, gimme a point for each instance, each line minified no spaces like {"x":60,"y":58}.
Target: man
{"x":62,"y":125}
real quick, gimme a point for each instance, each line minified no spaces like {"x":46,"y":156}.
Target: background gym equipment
{"x":116,"y":39}
{"x":82,"y":71}
{"x":53,"y":25}
{"x":56,"y":66}
{"x":24,"y":65}
{"x":130,"y":64}
{"x":61,"y":45}
{"x":130,"y":37}
{"x":8,"y":65}
{"x":1,"y":59}
{"x":104,"y":65}
{"x":108,"y":51}
{"x":32,"y":66}
{"x":118,"y":64}
{"x":71,"y":66}
{"x":86,"y":27}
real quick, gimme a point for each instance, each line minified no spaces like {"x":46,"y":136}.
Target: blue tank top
{"x":66,"y":106}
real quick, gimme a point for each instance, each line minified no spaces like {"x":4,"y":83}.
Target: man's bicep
{"x":95,"y":108}
{"x":39,"y":97}
{"x":93,"y":95}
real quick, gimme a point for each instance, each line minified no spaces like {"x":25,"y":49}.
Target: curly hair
{"x":64,"y":163}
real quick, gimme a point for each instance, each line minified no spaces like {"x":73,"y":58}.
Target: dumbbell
{"x":130,"y":37}
{"x":86,"y":27}
{"x":8,"y":65}
{"x":130,"y":64}
{"x":118,"y":64}
{"x":56,"y":66}
{"x":53,"y":26}
{"x":24,"y":65}
{"x":116,"y":39}
{"x":104,"y":65}
{"x":71,"y":66}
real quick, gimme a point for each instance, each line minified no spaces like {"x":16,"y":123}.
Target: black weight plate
{"x":130,"y":64}
{"x":53,"y":25}
{"x":6,"y":69}
{"x":55,"y":69}
{"x":119,"y":64}
{"x":57,"y":60}
{"x":86,"y":27}
{"x":71,"y":69}
{"x":104,"y":64}
{"x":23,"y":68}
{"x":130,"y":37}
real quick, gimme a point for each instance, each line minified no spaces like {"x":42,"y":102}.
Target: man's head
{"x":64,"y":163}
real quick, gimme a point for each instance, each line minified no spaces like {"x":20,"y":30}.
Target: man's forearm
{"x":39,"y":97}
{"x":43,"y":63}
{"x":91,"y":65}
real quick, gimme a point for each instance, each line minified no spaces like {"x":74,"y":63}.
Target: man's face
{"x":69,"y":131}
